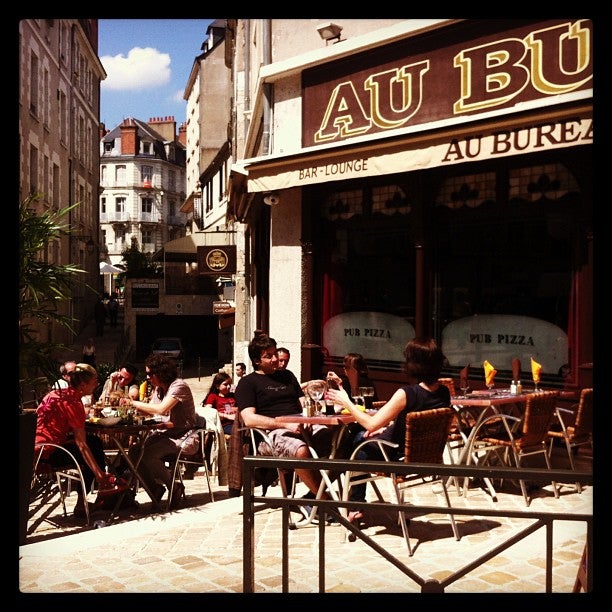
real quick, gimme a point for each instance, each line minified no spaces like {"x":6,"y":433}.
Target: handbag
{"x":109,"y":495}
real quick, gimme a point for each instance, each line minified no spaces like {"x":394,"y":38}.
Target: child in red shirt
{"x":222,"y":399}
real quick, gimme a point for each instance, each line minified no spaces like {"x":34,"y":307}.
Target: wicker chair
{"x":426,"y":436}
{"x":577,"y":434}
{"x":519,"y":437}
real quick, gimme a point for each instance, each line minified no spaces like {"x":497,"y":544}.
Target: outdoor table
{"x":338,"y":422}
{"x":471,"y":411}
{"x":137,"y":434}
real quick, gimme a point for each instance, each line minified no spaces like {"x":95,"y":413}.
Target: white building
{"x":142,"y":186}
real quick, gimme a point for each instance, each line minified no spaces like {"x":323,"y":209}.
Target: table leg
{"x":326,"y":482}
{"x":133,"y":477}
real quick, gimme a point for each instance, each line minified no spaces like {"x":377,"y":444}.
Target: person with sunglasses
{"x":171,"y":400}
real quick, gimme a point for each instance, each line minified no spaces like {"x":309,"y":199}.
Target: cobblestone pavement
{"x":198,"y":548}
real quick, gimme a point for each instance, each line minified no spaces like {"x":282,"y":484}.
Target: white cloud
{"x":178,"y":95}
{"x":141,"y":69}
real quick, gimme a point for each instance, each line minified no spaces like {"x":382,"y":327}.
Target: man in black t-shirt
{"x":268,"y":393}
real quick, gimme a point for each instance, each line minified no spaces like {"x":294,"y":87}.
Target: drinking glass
{"x":316,"y":389}
{"x":367,"y":393}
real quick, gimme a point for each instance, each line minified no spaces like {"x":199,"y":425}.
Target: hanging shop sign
{"x":216,"y":259}
{"x":223,"y":308}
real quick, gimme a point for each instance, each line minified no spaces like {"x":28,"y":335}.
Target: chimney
{"x":129,"y":138}
{"x":182,"y":134}
{"x":166,"y":126}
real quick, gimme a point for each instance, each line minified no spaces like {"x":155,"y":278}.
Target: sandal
{"x":355,"y":516}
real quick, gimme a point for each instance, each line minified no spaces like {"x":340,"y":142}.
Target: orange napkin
{"x":536,"y":370}
{"x":516,"y":369}
{"x":490,"y":372}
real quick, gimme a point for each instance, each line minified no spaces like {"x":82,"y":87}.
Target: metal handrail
{"x":331,"y":507}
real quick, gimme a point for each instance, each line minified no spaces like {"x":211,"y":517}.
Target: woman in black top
{"x":424,"y":361}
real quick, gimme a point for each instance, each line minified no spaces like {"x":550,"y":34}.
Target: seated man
{"x":270,"y":392}
{"x":63,"y":382}
{"x":124,"y":377}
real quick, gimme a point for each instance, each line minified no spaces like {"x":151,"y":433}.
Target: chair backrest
{"x":539,"y":414}
{"x":583,"y":425}
{"x":450,"y":383}
{"x":426,"y":435}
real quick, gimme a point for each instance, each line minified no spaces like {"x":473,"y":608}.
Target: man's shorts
{"x":286,"y":443}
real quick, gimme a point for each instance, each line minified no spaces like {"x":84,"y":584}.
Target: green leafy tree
{"x":43,"y":286}
{"x":137,"y":263}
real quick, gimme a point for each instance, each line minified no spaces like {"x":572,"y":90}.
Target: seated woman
{"x":172,"y":401}
{"x":356,"y":375}
{"x":423,"y":363}
{"x":61,"y":420}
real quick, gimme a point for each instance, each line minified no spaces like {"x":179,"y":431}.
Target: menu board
{"x":145,"y":295}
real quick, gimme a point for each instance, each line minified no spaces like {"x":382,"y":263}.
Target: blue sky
{"x":147,"y":62}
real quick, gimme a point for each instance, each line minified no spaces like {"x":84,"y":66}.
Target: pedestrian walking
{"x":113,"y":310}
{"x":89,"y":352}
{"x":100,"y":316}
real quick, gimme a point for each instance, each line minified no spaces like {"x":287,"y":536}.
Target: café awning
{"x":107,"y":268}
{"x":181,"y":249}
{"x":416,"y":149}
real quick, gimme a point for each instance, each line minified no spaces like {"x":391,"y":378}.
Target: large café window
{"x":499,"y":240}
{"x":504,"y":243}
{"x":368,"y":263}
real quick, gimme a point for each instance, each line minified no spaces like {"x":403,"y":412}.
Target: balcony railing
{"x":114,"y":217}
{"x":148,"y":217}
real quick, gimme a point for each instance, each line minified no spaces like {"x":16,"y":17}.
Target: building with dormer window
{"x":142,"y":186}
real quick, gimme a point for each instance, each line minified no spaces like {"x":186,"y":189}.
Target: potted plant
{"x":42,"y":286}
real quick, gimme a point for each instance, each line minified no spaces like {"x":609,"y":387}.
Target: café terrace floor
{"x":198,"y":548}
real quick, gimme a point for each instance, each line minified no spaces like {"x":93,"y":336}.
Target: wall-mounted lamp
{"x":329,"y":31}
{"x":90,"y":245}
{"x":271,"y":199}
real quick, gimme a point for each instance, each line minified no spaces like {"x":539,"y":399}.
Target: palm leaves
{"x":43,"y":286}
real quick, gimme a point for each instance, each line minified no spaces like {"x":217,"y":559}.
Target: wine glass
{"x":316,"y":389}
{"x":464,"y":386}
